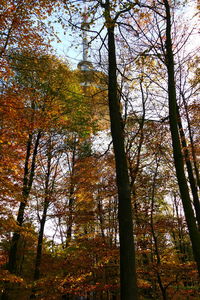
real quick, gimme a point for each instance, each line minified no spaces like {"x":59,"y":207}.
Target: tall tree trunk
{"x":27,"y":184}
{"x":191,"y":177}
{"x":44,"y":216}
{"x":194,"y":158}
{"x":70,"y":216}
{"x":155,"y":240}
{"x":40,"y":240}
{"x":100,"y":216}
{"x":178,"y":158}
{"x":71,"y":195}
{"x":128,"y":285}
{"x":47,"y":197}
{"x":179,"y":241}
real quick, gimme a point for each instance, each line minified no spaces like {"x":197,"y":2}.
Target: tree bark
{"x":27,"y":184}
{"x":128,"y":285}
{"x":194,"y":158}
{"x":155,"y":239}
{"x":191,"y":177}
{"x":40,"y":241}
{"x":71,"y":195}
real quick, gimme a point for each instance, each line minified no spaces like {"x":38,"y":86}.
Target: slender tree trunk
{"x":70,"y":217}
{"x":42,"y":224}
{"x":48,"y":193}
{"x":16,"y":235}
{"x":194,"y":158}
{"x":179,"y":241}
{"x":128,"y":286}
{"x":71,"y":197}
{"x":27,"y":184}
{"x":158,"y":260}
{"x":189,"y":170}
{"x":40,"y":240}
{"x":178,"y":158}
{"x":100,"y":216}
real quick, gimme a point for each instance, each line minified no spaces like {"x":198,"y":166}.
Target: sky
{"x":70,"y":41}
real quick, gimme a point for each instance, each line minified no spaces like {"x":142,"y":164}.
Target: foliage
{"x":73,"y":194}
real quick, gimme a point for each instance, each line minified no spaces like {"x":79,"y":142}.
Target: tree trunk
{"x":71,"y":196}
{"x":194,"y":158}
{"x":128,"y":286}
{"x":44,"y":214}
{"x":27,"y":184}
{"x":191,"y":178}
{"x":100,"y":216}
{"x":155,"y":240}
{"x":40,"y":240}
{"x":178,"y":158}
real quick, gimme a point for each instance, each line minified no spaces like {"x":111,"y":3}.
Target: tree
{"x":127,"y":256}
{"x":178,"y":158}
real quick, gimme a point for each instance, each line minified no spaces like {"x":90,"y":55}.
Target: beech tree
{"x":162,"y":50}
{"x":178,"y":159}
